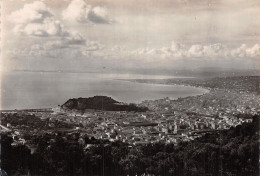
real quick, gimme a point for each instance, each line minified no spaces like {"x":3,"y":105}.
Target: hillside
{"x":100,"y":103}
{"x":246,"y":84}
{"x":232,"y":152}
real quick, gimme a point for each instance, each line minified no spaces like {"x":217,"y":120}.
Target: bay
{"x":29,"y":90}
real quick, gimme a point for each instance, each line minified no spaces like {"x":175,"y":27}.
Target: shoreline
{"x":30,"y":110}
{"x":206,"y":85}
{"x":209,"y":90}
{"x":206,"y":91}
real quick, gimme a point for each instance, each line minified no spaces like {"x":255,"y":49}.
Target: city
{"x":169,"y":121}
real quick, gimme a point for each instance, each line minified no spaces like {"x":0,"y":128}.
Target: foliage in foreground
{"x":234,"y":151}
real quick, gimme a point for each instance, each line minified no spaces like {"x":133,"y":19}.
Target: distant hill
{"x":249,"y":84}
{"x":100,"y":103}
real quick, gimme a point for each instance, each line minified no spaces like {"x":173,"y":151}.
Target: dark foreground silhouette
{"x":234,"y":151}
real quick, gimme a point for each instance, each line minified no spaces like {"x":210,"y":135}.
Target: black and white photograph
{"x":129,"y":87}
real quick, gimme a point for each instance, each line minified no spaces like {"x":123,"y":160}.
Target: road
{"x":4,"y":128}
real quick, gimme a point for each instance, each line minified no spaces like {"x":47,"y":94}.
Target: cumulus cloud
{"x":98,"y":15}
{"x":196,"y":51}
{"x":244,"y":51}
{"x":74,"y":38}
{"x":81,"y":12}
{"x":215,"y":51}
{"x":36,"y":19}
{"x":254,"y":51}
{"x":175,"y":50}
{"x":34,"y":12}
{"x":92,"y":48}
{"x":240,"y":51}
{"x":60,"y":48}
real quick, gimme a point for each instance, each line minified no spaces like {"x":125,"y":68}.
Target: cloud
{"x":211,"y":51}
{"x":175,"y":50}
{"x":35,"y":12}
{"x":49,"y":48}
{"x":98,"y":15}
{"x":50,"y":45}
{"x":81,"y":12}
{"x":94,"y":49}
{"x":48,"y":27}
{"x":254,"y":51}
{"x":60,"y":48}
{"x":240,"y":51}
{"x":244,"y":51}
{"x":75,"y":38}
{"x":36,"y":19}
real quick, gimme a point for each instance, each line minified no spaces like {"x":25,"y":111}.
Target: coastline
{"x":229,"y":94}
{"x":46,"y":90}
{"x":207,"y":90}
{"x":191,"y":119}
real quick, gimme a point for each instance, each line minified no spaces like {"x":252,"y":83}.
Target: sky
{"x":116,"y":35}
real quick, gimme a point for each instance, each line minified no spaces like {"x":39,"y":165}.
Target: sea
{"x":33,"y":90}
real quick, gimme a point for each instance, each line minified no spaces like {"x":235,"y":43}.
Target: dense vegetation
{"x":100,"y":103}
{"x":28,"y":121}
{"x":234,"y":151}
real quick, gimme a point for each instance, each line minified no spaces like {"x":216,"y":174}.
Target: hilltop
{"x":100,"y":103}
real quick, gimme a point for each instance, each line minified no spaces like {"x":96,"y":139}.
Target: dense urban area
{"x":211,"y":134}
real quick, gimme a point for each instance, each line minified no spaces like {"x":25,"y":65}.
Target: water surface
{"x":22,"y":90}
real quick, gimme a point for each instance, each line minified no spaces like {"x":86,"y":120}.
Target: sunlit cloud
{"x":36,"y":19}
{"x":216,"y":51}
{"x":81,"y":12}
